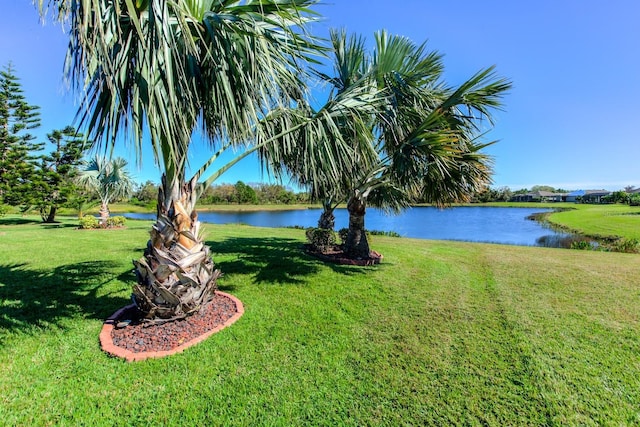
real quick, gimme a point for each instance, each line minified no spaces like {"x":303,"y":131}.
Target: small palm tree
{"x":109,"y":179}
{"x":420,"y":138}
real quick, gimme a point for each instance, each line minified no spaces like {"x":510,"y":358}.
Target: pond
{"x":474,"y":224}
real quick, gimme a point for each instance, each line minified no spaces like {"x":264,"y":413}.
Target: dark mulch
{"x":138,"y":337}
{"x":337,"y":256}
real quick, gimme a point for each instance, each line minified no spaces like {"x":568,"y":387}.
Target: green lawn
{"x":604,"y":221}
{"x":440,"y":333}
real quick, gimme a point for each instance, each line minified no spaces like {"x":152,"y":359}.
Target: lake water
{"x":475,"y":224}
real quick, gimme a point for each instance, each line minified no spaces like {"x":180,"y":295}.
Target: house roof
{"x":588,"y":193}
{"x":546,"y":194}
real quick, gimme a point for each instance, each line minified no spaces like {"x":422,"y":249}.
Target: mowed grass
{"x":604,"y":221}
{"x":440,"y":333}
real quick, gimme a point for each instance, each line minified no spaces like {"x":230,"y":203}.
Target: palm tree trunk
{"x":104,"y":214}
{"x":356,"y":245}
{"x":176,"y":276}
{"x":327,"y":219}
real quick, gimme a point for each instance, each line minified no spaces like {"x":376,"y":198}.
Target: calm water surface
{"x":476,"y":224}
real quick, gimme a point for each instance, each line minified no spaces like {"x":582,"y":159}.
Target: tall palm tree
{"x":169,"y":68}
{"x":109,"y":179}
{"x":423,"y":134}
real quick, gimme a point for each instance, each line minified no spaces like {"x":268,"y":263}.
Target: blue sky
{"x":571,"y":120}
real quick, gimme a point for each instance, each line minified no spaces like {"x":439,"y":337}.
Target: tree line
{"x":146,"y":194}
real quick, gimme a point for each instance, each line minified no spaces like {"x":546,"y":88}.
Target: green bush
{"x":116,"y":221}
{"x":383,"y":233}
{"x":630,"y":246}
{"x":634,"y":199}
{"x":88,"y":222}
{"x":584,"y":245}
{"x":321,"y":239}
{"x":4,"y":209}
{"x":342,"y":233}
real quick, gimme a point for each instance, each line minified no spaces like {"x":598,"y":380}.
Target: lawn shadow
{"x":50,"y":225}
{"x":271,"y":260}
{"x":46,"y":297}
{"x":18,"y":221}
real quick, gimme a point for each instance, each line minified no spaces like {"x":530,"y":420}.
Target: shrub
{"x":88,"y":222}
{"x":321,"y":239}
{"x":342,"y":233}
{"x":630,"y":246}
{"x":584,"y":245}
{"x":116,"y":221}
{"x":383,"y":233}
{"x":634,"y":199}
{"x":3,"y":210}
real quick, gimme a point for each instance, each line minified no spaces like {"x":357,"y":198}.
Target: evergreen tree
{"x":17,"y":118}
{"x":52,"y":184}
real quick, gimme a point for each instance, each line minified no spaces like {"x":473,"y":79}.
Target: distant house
{"x":547,"y":196}
{"x":538,"y":196}
{"x":587,"y":196}
{"x":583,"y":196}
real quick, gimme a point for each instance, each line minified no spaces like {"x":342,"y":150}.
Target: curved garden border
{"x":106,"y":341}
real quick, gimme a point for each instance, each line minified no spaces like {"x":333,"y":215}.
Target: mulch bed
{"x":124,"y":335}
{"x":337,"y":256}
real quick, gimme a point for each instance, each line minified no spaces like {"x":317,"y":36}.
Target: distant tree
{"x":109,"y":179}
{"x":81,"y":200}
{"x":618,"y":197}
{"x":629,"y":188}
{"x":146,"y":193}
{"x":17,"y":118}
{"x":219,"y":194}
{"x":245,"y":194}
{"x":52,"y":184}
{"x":484,"y":195}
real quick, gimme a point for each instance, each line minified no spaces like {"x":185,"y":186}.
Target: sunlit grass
{"x":440,"y":333}
{"x":604,"y":221}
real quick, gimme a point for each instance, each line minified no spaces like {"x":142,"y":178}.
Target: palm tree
{"x":170,"y":68}
{"x":109,"y":179}
{"x":424,"y":135}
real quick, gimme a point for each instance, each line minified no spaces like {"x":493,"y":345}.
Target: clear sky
{"x":571,"y":121}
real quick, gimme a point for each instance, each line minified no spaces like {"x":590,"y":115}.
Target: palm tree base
{"x":338,"y":256}
{"x":125,"y":335}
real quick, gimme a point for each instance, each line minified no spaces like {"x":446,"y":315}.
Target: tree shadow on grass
{"x":18,"y":221}
{"x":44,"y":298}
{"x":271,"y":260}
{"x":50,"y":225}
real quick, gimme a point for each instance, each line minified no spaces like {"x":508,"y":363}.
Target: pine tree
{"x":52,"y":184}
{"x":17,"y":118}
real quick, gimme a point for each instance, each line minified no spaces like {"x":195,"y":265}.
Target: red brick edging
{"x":106,"y":341}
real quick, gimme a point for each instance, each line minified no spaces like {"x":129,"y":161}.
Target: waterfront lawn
{"x":603,"y":221}
{"x":440,"y":333}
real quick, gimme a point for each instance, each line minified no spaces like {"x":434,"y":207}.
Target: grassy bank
{"x":439,"y":333}
{"x":602,"y":221}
